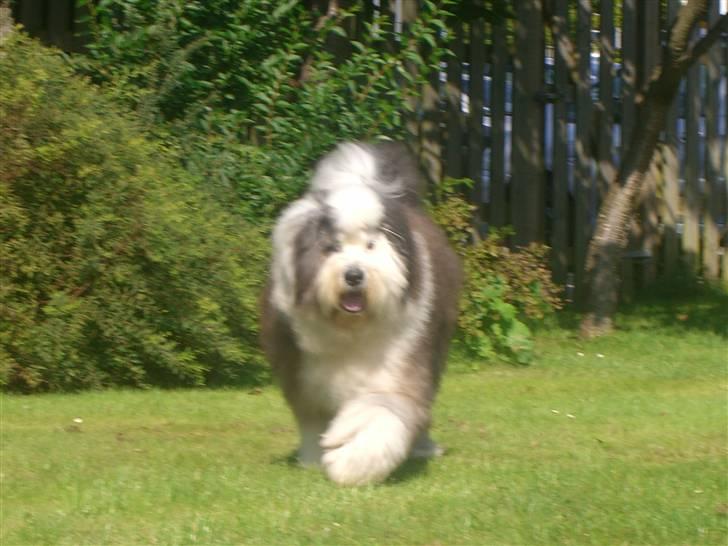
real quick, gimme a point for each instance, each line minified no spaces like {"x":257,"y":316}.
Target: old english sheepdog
{"x":359,"y":312}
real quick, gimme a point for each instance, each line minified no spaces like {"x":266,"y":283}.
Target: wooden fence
{"x":53,"y":21}
{"x":540,"y":121}
{"x":543,"y":127}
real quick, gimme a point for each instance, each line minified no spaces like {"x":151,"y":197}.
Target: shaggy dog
{"x":359,"y":311}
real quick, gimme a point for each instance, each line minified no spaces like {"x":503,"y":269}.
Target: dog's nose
{"x":354,"y":276}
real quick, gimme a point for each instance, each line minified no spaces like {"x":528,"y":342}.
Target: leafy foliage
{"x":256,"y":91}
{"x":116,"y":269}
{"x":504,"y":291}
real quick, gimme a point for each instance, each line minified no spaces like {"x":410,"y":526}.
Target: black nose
{"x":354,"y":276}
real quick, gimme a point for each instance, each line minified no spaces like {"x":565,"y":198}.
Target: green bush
{"x":116,"y":269}
{"x":257,"y":91}
{"x":505,"y":291}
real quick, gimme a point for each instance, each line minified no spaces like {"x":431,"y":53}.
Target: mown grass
{"x":620,"y":440}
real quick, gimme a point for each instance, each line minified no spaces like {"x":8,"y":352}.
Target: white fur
{"x":385,"y":277}
{"x":366,"y":441}
{"x":350,"y":164}
{"x":364,"y":444}
{"x":353,"y":365}
{"x":356,"y":209}
{"x":284,"y":235}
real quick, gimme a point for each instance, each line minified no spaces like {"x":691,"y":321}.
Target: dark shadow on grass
{"x":681,"y":304}
{"x":409,"y":470}
{"x":290,"y":459}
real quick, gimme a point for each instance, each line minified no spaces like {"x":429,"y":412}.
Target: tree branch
{"x":331,"y":12}
{"x":702,"y":46}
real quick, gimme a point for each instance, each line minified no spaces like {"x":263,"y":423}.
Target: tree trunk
{"x":610,"y":237}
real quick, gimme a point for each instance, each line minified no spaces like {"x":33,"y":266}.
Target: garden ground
{"x":620,"y":440}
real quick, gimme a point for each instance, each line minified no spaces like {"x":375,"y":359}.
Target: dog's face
{"x":351,"y":258}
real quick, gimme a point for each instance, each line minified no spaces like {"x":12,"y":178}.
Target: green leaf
{"x":284,"y":8}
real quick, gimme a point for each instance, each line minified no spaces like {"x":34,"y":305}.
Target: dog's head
{"x":343,"y":251}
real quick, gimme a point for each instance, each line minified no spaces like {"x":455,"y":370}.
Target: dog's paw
{"x":364,"y":445}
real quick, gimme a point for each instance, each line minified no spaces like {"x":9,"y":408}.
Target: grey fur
{"x":418,"y":369}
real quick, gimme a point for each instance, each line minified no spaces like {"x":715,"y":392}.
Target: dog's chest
{"x":329,"y":381}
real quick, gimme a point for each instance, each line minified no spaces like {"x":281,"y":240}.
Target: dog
{"x":359,"y":311}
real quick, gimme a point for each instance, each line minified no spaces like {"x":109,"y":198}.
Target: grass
{"x":621,"y":440}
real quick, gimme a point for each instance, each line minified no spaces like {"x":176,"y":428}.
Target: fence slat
{"x":454,"y":152}
{"x":528,"y":181}
{"x":430,"y":134}
{"x":712,"y":192}
{"x":605,"y":106}
{"x":629,"y":113}
{"x":475,"y":119}
{"x":724,"y":169}
{"x":670,"y":176}
{"x":560,"y":258}
{"x":649,"y":215}
{"x":498,"y":211}
{"x":583,"y":174}
{"x":692,"y":198}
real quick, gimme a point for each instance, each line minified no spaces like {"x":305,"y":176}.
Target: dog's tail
{"x":386,"y":167}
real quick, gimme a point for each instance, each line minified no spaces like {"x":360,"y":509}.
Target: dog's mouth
{"x":353,"y":302}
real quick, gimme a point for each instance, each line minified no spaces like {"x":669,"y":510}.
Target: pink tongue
{"x":352,"y":302}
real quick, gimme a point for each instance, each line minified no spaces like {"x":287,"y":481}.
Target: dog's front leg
{"x":370,"y":437}
{"x":310,"y":451}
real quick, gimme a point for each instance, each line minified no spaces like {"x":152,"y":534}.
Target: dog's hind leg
{"x":425,"y":447}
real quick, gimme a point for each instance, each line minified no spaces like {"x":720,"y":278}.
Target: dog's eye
{"x":332,"y":247}
{"x":370,"y":244}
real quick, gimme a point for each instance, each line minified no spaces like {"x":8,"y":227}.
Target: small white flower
{"x":580,"y":354}
{"x":555,"y":411}
{"x":570,"y":416}
{"x":600,"y":355}
{"x":78,"y":420}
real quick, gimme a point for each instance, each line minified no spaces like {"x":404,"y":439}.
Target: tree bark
{"x":610,"y":237}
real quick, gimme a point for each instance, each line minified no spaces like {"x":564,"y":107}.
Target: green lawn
{"x":615,"y":441}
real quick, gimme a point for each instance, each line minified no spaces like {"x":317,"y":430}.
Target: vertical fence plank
{"x":712,"y":188}
{"x":649,"y":216}
{"x":629,"y":71}
{"x":724,"y":169}
{"x":606,"y":171}
{"x":33,"y":17}
{"x":497,"y":210}
{"x":670,"y":178}
{"x":430,"y":134}
{"x":412,"y":121}
{"x":475,"y":119}
{"x":629,"y":112}
{"x":528,"y":180}
{"x":454,"y":150}
{"x":692,"y":198}
{"x":60,"y":23}
{"x":560,"y":259}
{"x":583,"y":175}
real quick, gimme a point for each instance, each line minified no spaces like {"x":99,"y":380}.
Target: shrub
{"x":116,"y":269}
{"x":254,"y":90}
{"x":505,"y":291}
